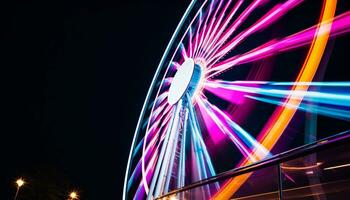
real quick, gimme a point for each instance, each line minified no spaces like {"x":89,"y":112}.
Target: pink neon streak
{"x":196,"y":42}
{"x":340,"y":25}
{"x":224,"y":129}
{"x":142,"y":159}
{"x":144,"y":147}
{"x":208,"y":32}
{"x":182,"y":38}
{"x":190,"y":43}
{"x":203,"y":31}
{"x":143,"y":189}
{"x":244,"y":15}
{"x":161,"y":98}
{"x":234,"y":97}
{"x":214,"y":32}
{"x":222,"y":27}
{"x":183,"y":51}
{"x":137,"y":171}
{"x":215,"y":133}
{"x":175,"y":64}
{"x":268,"y":19}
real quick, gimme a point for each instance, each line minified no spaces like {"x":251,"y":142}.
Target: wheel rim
{"x":211,"y":52}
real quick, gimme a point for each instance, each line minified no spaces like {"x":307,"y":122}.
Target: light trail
{"x":267,"y":20}
{"x":339,"y":25}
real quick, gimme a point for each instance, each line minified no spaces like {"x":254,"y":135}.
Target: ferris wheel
{"x":231,"y":82}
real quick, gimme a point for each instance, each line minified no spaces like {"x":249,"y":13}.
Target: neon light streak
{"x":222,"y":27}
{"x":243,"y":149}
{"x":267,"y":20}
{"x":339,"y":113}
{"x":195,"y":129}
{"x":301,"y":167}
{"x":337,"y":99}
{"x":190,"y":47}
{"x":183,"y":51}
{"x":244,"y":15}
{"x":209,"y":30}
{"x":276,"y":125}
{"x":211,"y":33}
{"x":244,"y":136}
{"x":340,"y":25}
{"x":161,"y":155}
{"x":203,"y":31}
{"x":337,"y":167}
{"x":196,"y":40}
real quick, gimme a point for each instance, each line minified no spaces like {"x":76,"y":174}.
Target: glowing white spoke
{"x":204,"y":27}
{"x":339,"y":113}
{"x":196,"y":42}
{"x":138,"y":167}
{"x":190,"y":48}
{"x":241,"y":147}
{"x":182,"y":163}
{"x":268,"y":19}
{"x":183,"y":51}
{"x":161,"y":98}
{"x":222,"y":28}
{"x":209,"y":30}
{"x":198,"y":137}
{"x":212,"y":33}
{"x":164,"y":172}
{"x":159,"y":110}
{"x":161,"y":156}
{"x":244,"y":15}
{"x":311,"y":96}
{"x":175,"y":65}
{"x":340,"y":25}
{"x":334,"y":101}
{"x":145,"y":185}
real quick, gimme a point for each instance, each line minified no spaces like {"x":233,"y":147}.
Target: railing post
{"x":280,"y":186}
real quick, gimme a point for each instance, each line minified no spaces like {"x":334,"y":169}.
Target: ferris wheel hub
{"x":186,"y":80}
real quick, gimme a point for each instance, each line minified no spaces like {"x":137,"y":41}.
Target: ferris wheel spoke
{"x":203,"y":156}
{"x":338,"y":97}
{"x":340,"y":25}
{"x":325,"y":110}
{"x":204,"y":27}
{"x":189,"y":46}
{"x":159,"y":111}
{"x":240,"y":143}
{"x":175,"y":65}
{"x":160,"y":99}
{"x":160,"y":165}
{"x":156,"y":126}
{"x":233,"y":27}
{"x":214,"y":24}
{"x":183,"y":51}
{"x":267,"y":20}
{"x":137,"y":170}
{"x":164,"y":165}
{"x":220,"y":29}
{"x":143,"y":157}
{"x":217,"y":21}
{"x":331,"y":99}
{"x":196,"y":38}
{"x":208,"y":29}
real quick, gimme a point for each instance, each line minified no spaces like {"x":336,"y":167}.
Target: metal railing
{"x":320,"y":145}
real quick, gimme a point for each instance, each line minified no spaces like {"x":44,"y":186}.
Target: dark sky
{"x":74,"y":78}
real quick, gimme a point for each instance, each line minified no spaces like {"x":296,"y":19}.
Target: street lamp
{"x":73,"y":195}
{"x":19,"y":182}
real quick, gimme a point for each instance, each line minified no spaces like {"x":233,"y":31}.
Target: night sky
{"x":74,"y":78}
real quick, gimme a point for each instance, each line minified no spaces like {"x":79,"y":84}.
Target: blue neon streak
{"x":322,"y":110}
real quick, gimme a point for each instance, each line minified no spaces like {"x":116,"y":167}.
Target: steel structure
{"x":236,"y":80}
